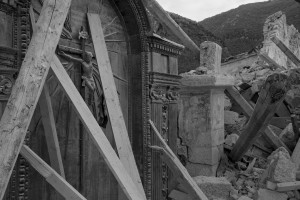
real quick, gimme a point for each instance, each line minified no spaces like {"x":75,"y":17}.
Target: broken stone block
{"x":231,"y":139}
{"x":230,"y":117}
{"x":214,"y":187}
{"x":264,"y":194}
{"x":281,"y":167}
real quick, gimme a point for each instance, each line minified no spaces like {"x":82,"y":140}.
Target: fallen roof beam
{"x":166,"y":20}
{"x":271,"y":96}
{"x":286,"y":51}
{"x":29,"y":84}
{"x":247,"y":109}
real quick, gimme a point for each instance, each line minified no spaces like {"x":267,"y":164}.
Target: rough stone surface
{"x":230,"y":117}
{"x":264,"y":194}
{"x":281,"y":167}
{"x":205,"y":155}
{"x":201,"y":169}
{"x":231,"y":139}
{"x":214,"y":187}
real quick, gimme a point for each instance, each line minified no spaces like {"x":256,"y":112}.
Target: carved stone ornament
{"x":6,"y":83}
{"x":172,"y":93}
{"x":157,"y":93}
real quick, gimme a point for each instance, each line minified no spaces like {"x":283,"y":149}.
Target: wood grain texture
{"x":51,"y":176}
{"x":271,"y":96}
{"x":28,"y":86}
{"x":50,"y":132}
{"x":247,"y":109}
{"x":175,"y":165}
{"x":96,"y":133}
{"x":112,"y":101}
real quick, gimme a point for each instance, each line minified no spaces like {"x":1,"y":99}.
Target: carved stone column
{"x":164,"y":87}
{"x":201,"y":112}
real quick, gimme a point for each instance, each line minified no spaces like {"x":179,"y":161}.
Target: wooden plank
{"x":112,"y":101}
{"x":28,"y":86}
{"x":235,"y":95}
{"x":175,"y":164}
{"x":166,"y":20}
{"x":288,"y":186}
{"x":271,"y":96}
{"x":96,"y":133}
{"x":51,"y":176}
{"x":270,"y":61}
{"x":247,"y":109}
{"x":280,"y":122}
{"x":50,"y":132}
{"x":48,"y":120}
{"x":274,"y":139}
{"x":286,"y":51}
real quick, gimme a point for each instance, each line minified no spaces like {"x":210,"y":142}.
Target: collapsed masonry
{"x":206,"y":137}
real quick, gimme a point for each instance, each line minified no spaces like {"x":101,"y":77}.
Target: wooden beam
{"x":286,"y":51}
{"x":28,"y":86}
{"x":265,"y":57}
{"x":112,"y":101}
{"x":96,"y":133}
{"x":271,"y":96}
{"x":48,"y":120}
{"x":51,"y":176}
{"x":167,"y":21}
{"x":50,"y":132}
{"x":247,"y":109}
{"x":174,"y":164}
{"x":235,"y":95}
{"x":280,"y":122}
{"x":274,"y":139}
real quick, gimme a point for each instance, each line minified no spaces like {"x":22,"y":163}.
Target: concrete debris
{"x":231,"y":139}
{"x":281,"y":167}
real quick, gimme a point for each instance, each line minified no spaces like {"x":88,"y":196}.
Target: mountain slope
{"x":190,"y":60}
{"x":241,"y":28}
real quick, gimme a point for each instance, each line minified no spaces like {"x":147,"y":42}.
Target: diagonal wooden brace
{"x":29,"y":84}
{"x":175,"y":165}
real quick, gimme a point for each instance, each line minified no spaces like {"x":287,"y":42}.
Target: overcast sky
{"x":200,"y":9}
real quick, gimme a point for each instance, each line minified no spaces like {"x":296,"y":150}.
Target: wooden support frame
{"x":247,"y":109}
{"x":175,"y":165}
{"x":51,"y":176}
{"x":28,"y":86}
{"x":271,"y":96}
{"x":24,"y":99}
{"x":112,"y":101}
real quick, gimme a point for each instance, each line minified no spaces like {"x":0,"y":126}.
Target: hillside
{"x":241,"y":28}
{"x":189,"y":60}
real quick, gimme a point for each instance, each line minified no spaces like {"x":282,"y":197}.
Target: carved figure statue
{"x":87,"y":67}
